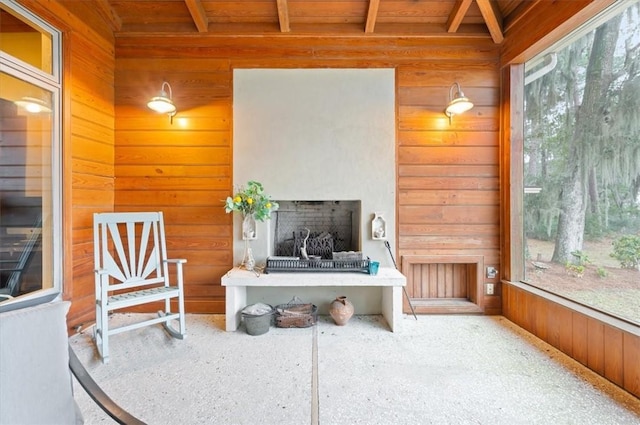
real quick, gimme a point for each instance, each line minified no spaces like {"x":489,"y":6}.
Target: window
{"x":582,"y":165}
{"x":30,"y":204}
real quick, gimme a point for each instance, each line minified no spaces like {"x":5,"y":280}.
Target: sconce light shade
{"x":163,"y":103}
{"x":458,"y":102}
{"x":33,"y":105}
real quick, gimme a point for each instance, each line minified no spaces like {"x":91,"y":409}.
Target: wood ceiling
{"x":318,"y":18}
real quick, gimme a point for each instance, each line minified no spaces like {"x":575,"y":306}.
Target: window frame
{"x":512,"y":172}
{"x":51,"y":82}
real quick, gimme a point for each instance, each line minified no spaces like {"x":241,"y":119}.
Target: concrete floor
{"x":436,"y":370}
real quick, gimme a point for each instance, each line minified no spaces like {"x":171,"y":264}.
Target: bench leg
{"x":392,"y":306}
{"x":236,"y":300}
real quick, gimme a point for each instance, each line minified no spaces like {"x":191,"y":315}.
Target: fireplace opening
{"x":327,"y":226}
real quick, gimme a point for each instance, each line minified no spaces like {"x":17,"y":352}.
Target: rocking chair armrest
{"x":176,"y":260}
{"x":96,"y":393}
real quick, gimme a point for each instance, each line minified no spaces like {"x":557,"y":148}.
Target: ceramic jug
{"x":341,"y":310}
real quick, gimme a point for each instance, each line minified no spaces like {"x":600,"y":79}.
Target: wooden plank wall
{"x":447,"y":173}
{"x":448,"y":184}
{"x":607,"y":350}
{"x":181,"y":168}
{"x":88,"y":140}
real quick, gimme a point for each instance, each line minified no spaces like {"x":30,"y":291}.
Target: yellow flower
{"x":251,"y":200}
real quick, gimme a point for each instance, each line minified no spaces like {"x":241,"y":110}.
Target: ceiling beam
{"x":106,"y":11}
{"x":372,"y":16}
{"x":457,"y":14}
{"x":493,"y":19}
{"x":198,"y":15}
{"x":283,"y":15}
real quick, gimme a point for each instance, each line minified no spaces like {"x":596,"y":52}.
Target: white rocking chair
{"x":131,"y":268}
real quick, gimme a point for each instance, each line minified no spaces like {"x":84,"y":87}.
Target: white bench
{"x":238,"y":280}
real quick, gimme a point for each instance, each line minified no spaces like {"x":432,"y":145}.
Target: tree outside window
{"x":582,"y":168}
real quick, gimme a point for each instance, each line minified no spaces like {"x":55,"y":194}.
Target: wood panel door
{"x":444,"y":284}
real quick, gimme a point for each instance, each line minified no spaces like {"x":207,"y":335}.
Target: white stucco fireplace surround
{"x":313,"y":135}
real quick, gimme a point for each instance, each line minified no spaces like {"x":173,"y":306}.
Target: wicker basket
{"x":296,"y":314}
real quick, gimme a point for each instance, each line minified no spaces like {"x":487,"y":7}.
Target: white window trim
{"x":51,"y":82}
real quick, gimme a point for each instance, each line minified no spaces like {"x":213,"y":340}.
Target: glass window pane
{"x":582,"y":167}
{"x":25,"y":41}
{"x":26,"y":195}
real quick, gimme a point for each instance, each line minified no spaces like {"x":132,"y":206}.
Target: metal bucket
{"x":257,"y":324}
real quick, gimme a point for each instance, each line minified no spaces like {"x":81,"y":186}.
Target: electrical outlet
{"x":489,"y":288}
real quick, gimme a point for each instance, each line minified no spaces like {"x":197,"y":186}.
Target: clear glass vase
{"x":248,"y":262}
{"x":249,"y":227}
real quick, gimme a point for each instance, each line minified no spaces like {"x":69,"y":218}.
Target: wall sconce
{"x":33,"y":105}
{"x":162,"y":103}
{"x":458,"y":102}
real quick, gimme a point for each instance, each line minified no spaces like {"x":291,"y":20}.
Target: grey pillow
{"x":35,"y":381}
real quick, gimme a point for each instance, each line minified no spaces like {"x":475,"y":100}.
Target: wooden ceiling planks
{"x":512,"y":17}
{"x":106,"y":11}
{"x":316,"y":18}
